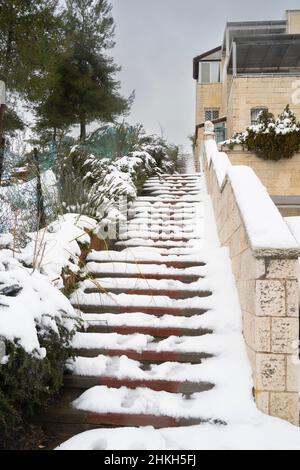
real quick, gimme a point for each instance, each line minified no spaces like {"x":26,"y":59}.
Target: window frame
{"x":211,"y":110}
{"x":209,"y":62}
{"x":257,"y":109}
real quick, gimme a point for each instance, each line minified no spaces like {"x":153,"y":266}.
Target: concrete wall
{"x":281,"y":178}
{"x":268,"y":291}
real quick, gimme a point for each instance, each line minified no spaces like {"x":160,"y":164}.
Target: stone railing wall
{"x":266,"y":279}
{"x":281,"y":178}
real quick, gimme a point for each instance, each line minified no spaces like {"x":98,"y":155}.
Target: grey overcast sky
{"x":156,"y":42}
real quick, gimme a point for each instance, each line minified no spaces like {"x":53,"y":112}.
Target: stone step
{"x":184,"y":278}
{"x":157,"y":237}
{"x":69,"y":421}
{"x":171,"y":245}
{"x":156,"y":332}
{"x":163,"y":205}
{"x":161,"y":212}
{"x":177,"y":179}
{"x":158,"y":224}
{"x":176,"y":188}
{"x":156,"y":311}
{"x":170,"y":264}
{"x":147,"y":357}
{"x":82,"y":383}
{"x":168,"y":184}
{"x":172,"y":294}
{"x":143,"y":223}
{"x":169,"y":192}
{"x":170,"y":200}
{"x":154,"y":211}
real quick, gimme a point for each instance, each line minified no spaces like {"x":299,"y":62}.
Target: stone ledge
{"x":276,"y":253}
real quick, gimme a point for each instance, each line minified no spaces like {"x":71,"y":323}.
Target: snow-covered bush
{"x":92,"y":184}
{"x":271,"y":139}
{"x":37,"y":321}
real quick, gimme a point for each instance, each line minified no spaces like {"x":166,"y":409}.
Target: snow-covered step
{"x":95,"y":370}
{"x":171,"y":184}
{"x":165,"y":209}
{"x":159,"y":225}
{"x":175,"y":186}
{"x":135,"y":268}
{"x":185,"y":177}
{"x":99,"y":326}
{"x":202,"y":285}
{"x":139,"y":256}
{"x":169,"y":192}
{"x":153,"y":305}
{"x":154,"y":227}
{"x":146,"y":357}
{"x":166,"y":205}
{"x":141,"y":343}
{"x":156,"y":326}
{"x":141,"y":401}
{"x":82,"y":383}
{"x":170,"y":199}
{"x":181,"y":178}
{"x":147,"y":271}
{"x":67,"y":420}
{"x":183,"y":211}
{"x":138,"y":286}
{"x":171,"y":244}
{"x":160,"y":236}
{"x":165,"y":215}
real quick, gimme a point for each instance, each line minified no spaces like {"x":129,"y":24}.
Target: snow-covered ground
{"x":261,"y":433}
{"x":230,"y":400}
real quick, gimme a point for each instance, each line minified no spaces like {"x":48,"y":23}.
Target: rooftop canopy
{"x":236,"y":30}
{"x":266,"y":53}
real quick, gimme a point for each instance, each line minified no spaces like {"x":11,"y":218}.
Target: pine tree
{"x":27,"y":35}
{"x":85,"y":88}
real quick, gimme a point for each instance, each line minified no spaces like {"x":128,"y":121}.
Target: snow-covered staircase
{"x":145,"y":355}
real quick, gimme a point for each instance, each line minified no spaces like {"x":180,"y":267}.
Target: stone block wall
{"x":281,"y":178}
{"x":293,"y":21}
{"x":208,"y":95}
{"x":268,"y":290}
{"x":247,"y":92}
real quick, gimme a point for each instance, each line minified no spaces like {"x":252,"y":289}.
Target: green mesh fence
{"x":112,"y":141}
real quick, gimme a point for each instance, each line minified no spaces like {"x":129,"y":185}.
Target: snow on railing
{"x":264,"y":260}
{"x":264,"y":224}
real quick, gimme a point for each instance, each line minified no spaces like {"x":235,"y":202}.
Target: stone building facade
{"x":256,"y":67}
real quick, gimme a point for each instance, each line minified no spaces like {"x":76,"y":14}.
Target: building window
{"x":255,"y":113}
{"x":211,"y":114}
{"x":209,"y":72}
